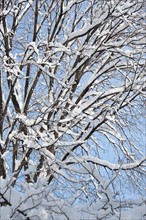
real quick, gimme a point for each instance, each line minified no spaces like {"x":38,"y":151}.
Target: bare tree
{"x":72,"y":109}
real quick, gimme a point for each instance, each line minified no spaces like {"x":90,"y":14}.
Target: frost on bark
{"x":72,"y":109}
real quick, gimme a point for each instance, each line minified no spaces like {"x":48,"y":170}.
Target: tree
{"x":72,"y":109}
